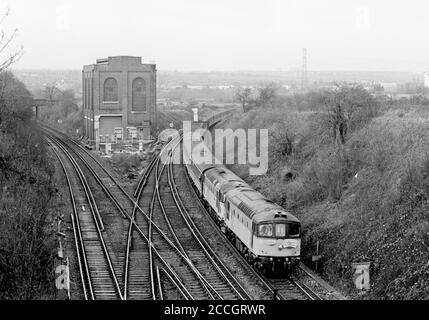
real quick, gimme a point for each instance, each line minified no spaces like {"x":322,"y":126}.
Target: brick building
{"x":119,"y":97}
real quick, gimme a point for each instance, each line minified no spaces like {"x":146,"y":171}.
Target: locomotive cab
{"x":277,"y":242}
{"x":278,"y":230}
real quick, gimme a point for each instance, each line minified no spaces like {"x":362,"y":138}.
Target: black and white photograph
{"x":247,"y":154}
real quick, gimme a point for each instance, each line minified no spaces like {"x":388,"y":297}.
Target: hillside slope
{"x":366,"y":200}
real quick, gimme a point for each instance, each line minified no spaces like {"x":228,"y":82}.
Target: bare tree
{"x":244,"y":97}
{"x":348,"y":106}
{"x":267,"y":96}
{"x":8,"y":58}
{"x":51,"y":91}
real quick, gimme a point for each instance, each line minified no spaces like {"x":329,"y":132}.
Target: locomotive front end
{"x":277,"y":244}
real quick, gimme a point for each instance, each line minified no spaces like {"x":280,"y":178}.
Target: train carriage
{"x":267,"y":235}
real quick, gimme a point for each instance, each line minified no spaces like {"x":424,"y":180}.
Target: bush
{"x":382,"y":216}
{"x":27,"y":242}
{"x":125,"y":162}
{"x":64,"y":113}
{"x":364,"y":199}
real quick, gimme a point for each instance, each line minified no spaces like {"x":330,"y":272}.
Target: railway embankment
{"x":28,"y":200}
{"x":364,"y":199}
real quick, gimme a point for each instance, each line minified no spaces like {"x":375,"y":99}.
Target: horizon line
{"x":292,"y":70}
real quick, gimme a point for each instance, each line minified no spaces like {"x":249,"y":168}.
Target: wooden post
{"x":316,"y":257}
{"x":317,"y":253}
{"x":68,"y":279}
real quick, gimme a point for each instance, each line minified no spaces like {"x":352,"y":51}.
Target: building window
{"x":139,"y":95}
{"x":110,"y":90}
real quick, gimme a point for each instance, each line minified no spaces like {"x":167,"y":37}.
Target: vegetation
{"x":172,"y":117}
{"x":355,"y":170}
{"x":185,"y":94}
{"x":63,"y":112}
{"x":27,"y":243}
{"x":414,"y":88}
{"x":265,"y":97}
{"x":126,"y":163}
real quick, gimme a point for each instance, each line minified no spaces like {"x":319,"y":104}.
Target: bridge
{"x":41,"y":103}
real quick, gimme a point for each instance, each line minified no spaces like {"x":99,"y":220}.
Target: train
{"x":268,"y":236}
{"x":211,"y":121}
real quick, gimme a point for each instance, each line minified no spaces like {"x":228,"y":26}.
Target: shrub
{"x":26,"y":192}
{"x":364,"y":199}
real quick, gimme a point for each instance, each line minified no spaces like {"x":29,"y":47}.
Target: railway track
{"x":155,"y":251}
{"x":164,"y":256}
{"x":98,"y":277}
{"x":212,"y":276}
{"x":112,"y":189}
{"x":209,"y":257}
{"x":287,"y":288}
{"x":172,"y":290}
{"x":153,"y":263}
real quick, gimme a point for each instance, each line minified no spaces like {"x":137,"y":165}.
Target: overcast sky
{"x":222,"y":35}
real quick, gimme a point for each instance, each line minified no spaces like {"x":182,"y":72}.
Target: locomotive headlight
{"x":290,"y":244}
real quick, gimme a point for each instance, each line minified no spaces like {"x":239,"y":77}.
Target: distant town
{"x":176,"y":88}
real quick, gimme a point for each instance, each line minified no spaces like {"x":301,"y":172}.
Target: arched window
{"x":110,"y":90}
{"x":139,"y":95}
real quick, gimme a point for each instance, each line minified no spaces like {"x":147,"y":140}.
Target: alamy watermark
{"x":240,"y":146}
{"x":62,"y":282}
{"x":361,"y":275}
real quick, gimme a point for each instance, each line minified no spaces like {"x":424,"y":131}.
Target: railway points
{"x":164,"y":252}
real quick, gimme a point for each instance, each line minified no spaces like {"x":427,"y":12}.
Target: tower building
{"x":119,"y":99}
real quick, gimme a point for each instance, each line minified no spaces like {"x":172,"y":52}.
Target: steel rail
{"x":167,"y":163}
{"x":77,"y":232}
{"x":178,"y":287}
{"x":93,"y":210}
{"x":136,"y":206}
{"x":143,"y":179}
{"x":158,"y":278}
{"x":206,"y":285}
{"x":182,"y":252}
{"x":125,"y":214}
{"x":138,"y":193}
{"x":307,"y":292}
{"x":200,"y":239}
